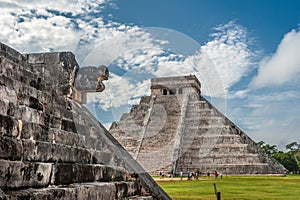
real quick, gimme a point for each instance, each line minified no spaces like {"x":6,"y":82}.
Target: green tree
{"x":290,"y":159}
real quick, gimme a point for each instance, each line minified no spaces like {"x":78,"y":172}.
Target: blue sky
{"x":245,"y":53}
{"x":266,"y":20}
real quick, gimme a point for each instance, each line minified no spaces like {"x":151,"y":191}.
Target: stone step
{"x":20,"y":174}
{"x":90,"y":190}
{"x":50,"y":152}
{"x":216,"y":142}
{"x":9,"y":126}
{"x":141,"y":198}
{"x":17,"y":174}
{"x":38,"y":132}
{"x":33,"y":98}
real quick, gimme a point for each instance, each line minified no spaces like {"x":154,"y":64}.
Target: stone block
{"x":112,"y":173}
{"x":54,"y":122}
{"x":36,"y":132}
{"x":37,"y":151}
{"x":16,"y":174}
{"x":106,"y":158}
{"x":72,"y":173}
{"x":50,"y":152}
{"x":7,"y":82}
{"x":68,"y":154}
{"x":51,"y":58}
{"x":68,"y":138}
{"x":11,"y":54}
{"x":8,"y":126}
{"x":8,"y":94}
{"x":99,"y":191}
{"x":10,"y":148}
{"x":36,"y":58}
{"x":126,"y":189}
{"x":68,"y":125}
{"x":141,"y":198}
{"x":99,"y":172}
{"x":44,"y":194}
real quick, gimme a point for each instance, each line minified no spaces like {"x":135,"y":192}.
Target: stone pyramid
{"x":176,"y":129}
{"x":51,"y":147}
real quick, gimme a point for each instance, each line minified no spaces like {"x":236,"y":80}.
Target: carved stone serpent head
{"x":90,"y":79}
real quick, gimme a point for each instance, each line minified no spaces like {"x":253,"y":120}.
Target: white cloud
{"x":231,"y":53}
{"x":268,"y":116}
{"x":283,"y":66}
{"x":34,"y":26}
{"x":219,"y":64}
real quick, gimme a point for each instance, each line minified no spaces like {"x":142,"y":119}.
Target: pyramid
{"x":51,"y":146}
{"x":176,"y":129}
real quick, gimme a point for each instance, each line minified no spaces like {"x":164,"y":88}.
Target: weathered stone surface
{"x":44,"y":193}
{"x":96,"y":191}
{"x":51,"y":147}
{"x":16,"y":174}
{"x":35,"y":131}
{"x":176,"y":129}
{"x":9,"y":126}
{"x":10,"y":148}
{"x":125,"y":189}
{"x":49,"y":152}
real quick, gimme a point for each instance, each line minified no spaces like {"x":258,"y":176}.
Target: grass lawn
{"x":235,"y":187}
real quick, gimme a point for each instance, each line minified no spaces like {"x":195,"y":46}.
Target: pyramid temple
{"x":51,"y":146}
{"x":176,"y":129}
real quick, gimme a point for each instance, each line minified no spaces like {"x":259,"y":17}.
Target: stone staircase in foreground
{"x":51,"y":147}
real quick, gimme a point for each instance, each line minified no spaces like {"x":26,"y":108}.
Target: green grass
{"x":235,"y":187}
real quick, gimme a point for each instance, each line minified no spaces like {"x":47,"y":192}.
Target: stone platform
{"x":51,"y":147}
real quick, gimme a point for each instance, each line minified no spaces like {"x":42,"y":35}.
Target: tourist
{"x":216,"y":175}
{"x":197,"y":174}
{"x":181,"y":175}
{"x":171,"y":174}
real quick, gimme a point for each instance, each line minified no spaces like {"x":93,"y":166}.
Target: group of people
{"x":197,"y":174}
{"x":191,"y":175}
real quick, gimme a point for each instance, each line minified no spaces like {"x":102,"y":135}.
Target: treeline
{"x":289,"y":159}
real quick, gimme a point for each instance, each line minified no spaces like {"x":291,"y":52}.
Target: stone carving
{"x":51,"y":147}
{"x":89,"y":79}
{"x":189,"y":133}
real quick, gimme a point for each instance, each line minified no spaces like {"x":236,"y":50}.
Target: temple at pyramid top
{"x":176,"y":85}
{"x":176,"y":129}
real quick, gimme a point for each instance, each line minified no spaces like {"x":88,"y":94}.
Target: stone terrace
{"x":51,"y":147}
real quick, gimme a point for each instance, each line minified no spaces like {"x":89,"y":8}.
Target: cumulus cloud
{"x":283,"y":66}
{"x":231,"y":52}
{"x":219,"y":64}
{"x":33,"y":26}
{"x":133,"y":54}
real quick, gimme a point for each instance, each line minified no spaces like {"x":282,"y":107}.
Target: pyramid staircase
{"x":188,"y":133}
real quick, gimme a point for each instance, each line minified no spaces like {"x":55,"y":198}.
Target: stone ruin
{"x":177,"y":129}
{"x":51,"y":147}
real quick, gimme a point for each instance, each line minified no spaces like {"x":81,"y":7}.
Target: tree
{"x":269,"y":149}
{"x":290,"y":159}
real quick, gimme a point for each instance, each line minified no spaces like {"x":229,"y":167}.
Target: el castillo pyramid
{"x":51,"y":147}
{"x":176,"y":129}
